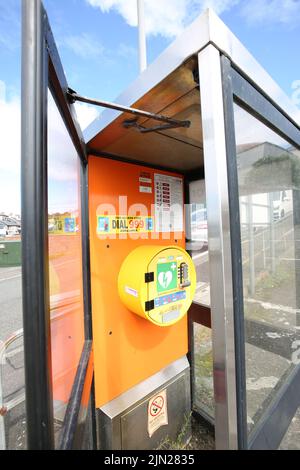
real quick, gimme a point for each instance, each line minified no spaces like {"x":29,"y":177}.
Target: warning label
{"x":107,"y":224}
{"x":157,"y":412}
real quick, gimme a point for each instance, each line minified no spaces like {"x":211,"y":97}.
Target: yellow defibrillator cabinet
{"x":157,"y":283}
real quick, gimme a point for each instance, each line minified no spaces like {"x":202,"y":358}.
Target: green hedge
{"x":10,"y":253}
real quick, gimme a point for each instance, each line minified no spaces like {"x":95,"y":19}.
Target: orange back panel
{"x":127,"y":348}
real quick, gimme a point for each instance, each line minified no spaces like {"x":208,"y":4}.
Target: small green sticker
{"x":166,"y":278}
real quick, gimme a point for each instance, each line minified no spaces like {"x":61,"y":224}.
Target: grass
{"x":181,"y":442}
{"x":279,"y":278}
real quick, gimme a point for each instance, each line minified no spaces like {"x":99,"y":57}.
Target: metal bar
{"x":35,"y":276}
{"x":236,"y":253}
{"x":68,"y":432}
{"x":125,"y":109}
{"x":145,"y":130}
{"x":86,"y":273}
{"x":220,"y":248}
{"x":85,"y":251}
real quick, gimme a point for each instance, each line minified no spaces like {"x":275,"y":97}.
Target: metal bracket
{"x":169,"y":122}
{"x":133,"y":123}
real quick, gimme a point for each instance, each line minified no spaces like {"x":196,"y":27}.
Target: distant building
{"x":11,"y":225}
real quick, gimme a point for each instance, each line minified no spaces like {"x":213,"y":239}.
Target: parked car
{"x":282,"y":204}
{"x":261,"y":208}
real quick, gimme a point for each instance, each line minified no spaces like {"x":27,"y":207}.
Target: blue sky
{"x":97,"y":40}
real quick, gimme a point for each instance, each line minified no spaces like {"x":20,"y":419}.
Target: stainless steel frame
{"x":219,"y":244}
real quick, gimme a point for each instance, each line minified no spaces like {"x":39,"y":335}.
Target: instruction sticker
{"x":146,"y":189}
{"x":145,"y":180}
{"x":168,"y":203}
{"x":116,"y":224}
{"x":157,"y":412}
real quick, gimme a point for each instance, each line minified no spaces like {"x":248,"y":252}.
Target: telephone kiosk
{"x":143,"y":283}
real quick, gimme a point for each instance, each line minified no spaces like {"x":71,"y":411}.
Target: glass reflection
{"x":269,"y":189}
{"x":12,"y":381}
{"x":197,"y":242}
{"x":65,"y":261}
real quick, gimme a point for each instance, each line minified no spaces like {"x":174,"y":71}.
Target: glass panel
{"x":12,"y":385}
{"x":65,"y":260}
{"x":203,"y":369}
{"x":197,"y":240}
{"x":269,"y":190}
{"x":291,"y":440}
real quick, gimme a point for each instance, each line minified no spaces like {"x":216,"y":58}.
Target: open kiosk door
{"x":55,"y":261}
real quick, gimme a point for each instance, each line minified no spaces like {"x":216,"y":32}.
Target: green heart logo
{"x":165,"y":279}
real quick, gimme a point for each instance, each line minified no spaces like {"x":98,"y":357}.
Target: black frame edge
{"x":68,"y":433}
{"x":35,"y":271}
{"x":235,"y":238}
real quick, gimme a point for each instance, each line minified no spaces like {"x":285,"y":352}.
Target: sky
{"x":97,"y":42}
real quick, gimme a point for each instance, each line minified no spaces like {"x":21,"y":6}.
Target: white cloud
{"x":169,"y":17}
{"x":10,"y":131}
{"x":126,"y":51}
{"x":285,"y":12}
{"x":165,"y":17}
{"x":84,"y":45}
{"x":10,"y":151}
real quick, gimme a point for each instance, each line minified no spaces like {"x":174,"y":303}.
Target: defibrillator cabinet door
{"x":172,"y":288}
